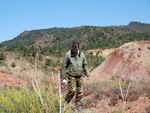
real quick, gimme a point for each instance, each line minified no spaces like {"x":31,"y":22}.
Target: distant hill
{"x":89,"y":37}
{"x":141,"y":27}
{"x":136,"y":26}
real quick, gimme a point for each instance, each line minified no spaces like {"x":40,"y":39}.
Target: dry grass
{"x":95,"y":93}
{"x":133,"y":94}
{"x":146,"y":91}
{"x":114,"y":95}
{"x":148,"y":109}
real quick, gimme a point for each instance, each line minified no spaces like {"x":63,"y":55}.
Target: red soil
{"x":130,"y":59}
{"x":10,"y":80}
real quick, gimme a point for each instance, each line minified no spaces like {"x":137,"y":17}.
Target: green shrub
{"x":13,"y":64}
{"x":1,"y":62}
{"x":27,"y":101}
{"x":40,"y":57}
{"x":48,"y":62}
{"x":94,"y":61}
{"x":2,"y":56}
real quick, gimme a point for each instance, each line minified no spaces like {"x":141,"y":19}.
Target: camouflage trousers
{"x":75,"y":87}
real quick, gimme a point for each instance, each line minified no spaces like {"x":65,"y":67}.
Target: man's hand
{"x":88,"y":77}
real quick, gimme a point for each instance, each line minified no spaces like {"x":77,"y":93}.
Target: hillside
{"x":8,"y":79}
{"x":123,"y":76}
{"x":135,"y":26}
{"x":131,"y":59}
{"x":58,"y":40}
{"x":22,"y":67}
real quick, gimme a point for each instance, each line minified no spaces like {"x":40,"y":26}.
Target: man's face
{"x":75,"y":48}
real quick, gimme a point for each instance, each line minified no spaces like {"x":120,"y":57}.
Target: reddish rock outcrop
{"x":130,"y":59}
{"x":10,"y":80}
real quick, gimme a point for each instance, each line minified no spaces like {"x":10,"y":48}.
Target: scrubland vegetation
{"x":25,"y":100}
{"x":114,"y":97}
{"x":46,"y":56}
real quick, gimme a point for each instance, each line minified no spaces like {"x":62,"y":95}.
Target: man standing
{"x":74,"y":64}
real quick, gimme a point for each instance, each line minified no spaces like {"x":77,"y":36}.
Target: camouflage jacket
{"x":74,"y":65}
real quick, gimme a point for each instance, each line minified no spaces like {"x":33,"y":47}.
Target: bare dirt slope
{"x":8,"y":79}
{"x":130,"y":59}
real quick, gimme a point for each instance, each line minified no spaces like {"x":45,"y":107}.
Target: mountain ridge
{"x":90,"y":37}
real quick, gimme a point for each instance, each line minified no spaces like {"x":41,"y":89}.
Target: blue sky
{"x":17,"y":16}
